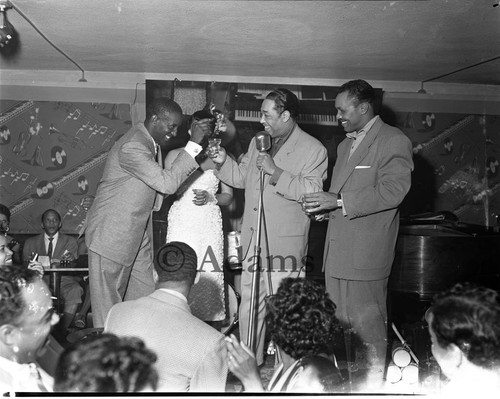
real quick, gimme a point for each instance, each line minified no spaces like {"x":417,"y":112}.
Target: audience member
{"x":57,"y":246}
{"x":14,"y":246}
{"x":464,"y":325}
{"x":191,"y":354}
{"x":295,"y":164}
{"x":6,"y":257}
{"x":108,"y":364}
{"x":26,"y":318}
{"x":301,"y":322}
{"x":118,"y":232}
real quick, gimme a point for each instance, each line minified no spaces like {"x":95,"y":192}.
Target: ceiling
{"x":374,"y":40}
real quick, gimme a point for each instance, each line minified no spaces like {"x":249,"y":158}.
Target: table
{"x":55,"y":280}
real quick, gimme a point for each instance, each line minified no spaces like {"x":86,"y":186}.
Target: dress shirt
{"x":277,"y":143}
{"x":47,"y":242}
{"x":174,"y":293}
{"x":358,"y":136}
{"x":16,"y":377}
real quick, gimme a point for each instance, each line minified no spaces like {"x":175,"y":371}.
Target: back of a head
{"x":203,"y":114}
{"x":106,"y":363}
{"x":161,"y":106}
{"x":469,"y":317}
{"x":13,"y":280}
{"x":301,"y":318}
{"x":176,"y":261}
{"x":318,"y":374}
{"x":285,"y":100}
{"x":359,"y":89}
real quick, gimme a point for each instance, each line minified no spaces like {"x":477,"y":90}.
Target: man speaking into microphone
{"x":291,"y":163}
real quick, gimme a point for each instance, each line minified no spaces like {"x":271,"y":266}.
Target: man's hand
{"x":265,"y":162}
{"x":220,"y":156}
{"x":200,"y":129}
{"x":317,"y":202}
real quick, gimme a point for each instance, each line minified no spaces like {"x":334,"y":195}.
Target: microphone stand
{"x":252,"y":326}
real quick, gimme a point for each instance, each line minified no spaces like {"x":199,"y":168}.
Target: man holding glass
{"x":295,"y":164}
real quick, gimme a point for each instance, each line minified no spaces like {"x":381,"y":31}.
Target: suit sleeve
{"x":233,"y":173}
{"x":309,"y":180}
{"x":137,"y":160}
{"x":211,"y":374}
{"x":28,"y":248}
{"x":392,"y":183}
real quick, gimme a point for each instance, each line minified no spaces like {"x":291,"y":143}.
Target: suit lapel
{"x":358,"y":155}
{"x":61,"y":243}
{"x":288,"y":147}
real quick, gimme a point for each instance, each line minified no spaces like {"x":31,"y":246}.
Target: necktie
{"x":35,"y":373}
{"x":159,"y":196}
{"x":49,"y":250}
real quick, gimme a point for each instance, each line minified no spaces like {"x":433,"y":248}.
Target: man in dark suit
{"x":118,"y":232}
{"x":57,"y":246}
{"x":191,"y":354}
{"x":296,"y":164}
{"x":370,"y":179}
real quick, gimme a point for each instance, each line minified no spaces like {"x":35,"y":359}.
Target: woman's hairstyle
{"x":5,"y":211}
{"x":469,"y":317}
{"x":301,"y":318}
{"x":106,"y":363}
{"x":13,"y":280}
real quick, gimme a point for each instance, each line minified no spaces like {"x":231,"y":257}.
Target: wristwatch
{"x":339,"y":201}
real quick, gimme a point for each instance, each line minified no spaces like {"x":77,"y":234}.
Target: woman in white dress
{"x":195,"y":218}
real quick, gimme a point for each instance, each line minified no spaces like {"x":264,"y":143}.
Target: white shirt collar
{"x":174,"y":293}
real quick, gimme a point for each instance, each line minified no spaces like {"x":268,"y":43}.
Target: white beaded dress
{"x":200,"y":226}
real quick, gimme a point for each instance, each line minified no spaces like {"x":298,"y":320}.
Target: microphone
{"x":263,"y":141}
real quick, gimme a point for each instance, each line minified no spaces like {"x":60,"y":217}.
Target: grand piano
{"x":432,"y":255}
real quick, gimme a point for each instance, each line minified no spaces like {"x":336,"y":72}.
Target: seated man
{"x":26,"y":318}
{"x":191,"y":354}
{"x":57,"y":246}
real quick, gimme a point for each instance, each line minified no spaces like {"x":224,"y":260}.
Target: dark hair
{"x":162,"y":105}
{"x":203,"y":114}
{"x":106,"y":363}
{"x":176,"y":261}
{"x":13,"y":280}
{"x":469,"y":317}
{"x":5,"y":211}
{"x":360,"y":90}
{"x":51,"y":210}
{"x":301,"y":318}
{"x":285,"y":100}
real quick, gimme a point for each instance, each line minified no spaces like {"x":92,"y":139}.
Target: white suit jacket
{"x":191,"y":354}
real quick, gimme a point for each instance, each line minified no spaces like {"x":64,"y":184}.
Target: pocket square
{"x":362,"y":167}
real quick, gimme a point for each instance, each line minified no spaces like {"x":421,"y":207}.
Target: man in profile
{"x":26,"y":318}
{"x":295,"y":164}
{"x":191,"y":354}
{"x":118,"y":232}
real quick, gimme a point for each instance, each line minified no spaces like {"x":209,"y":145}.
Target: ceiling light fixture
{"x":10,"y":4}
{"x":6,"y":29}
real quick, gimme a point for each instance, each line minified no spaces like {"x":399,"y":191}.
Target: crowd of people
{"x":159,"y":312}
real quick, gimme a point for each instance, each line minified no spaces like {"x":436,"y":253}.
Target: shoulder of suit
{"x":307,"y":138}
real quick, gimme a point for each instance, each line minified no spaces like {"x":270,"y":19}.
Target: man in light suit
{"x":118,"y":232}
{"x":370,"y":179}
{"x":295,"y":165}
{"x":191,"y":354}
{"x":63,"y":247}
